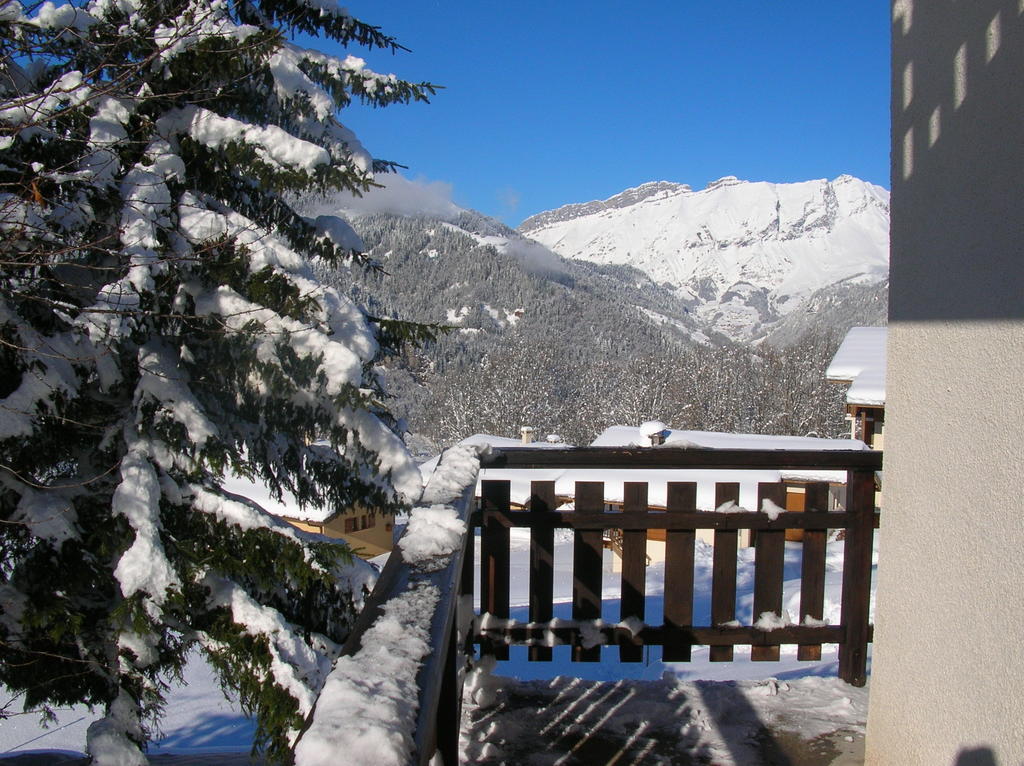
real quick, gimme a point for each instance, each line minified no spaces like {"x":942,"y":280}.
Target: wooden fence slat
{"x":679,"y":545}
{"x":812,"y":568}
{"x":634,"y":571}
{"x":494,"y":559}
{"x":467,"y":587}
{"x":723,"y":572}
{"x":588,"y":553}
{"x":860,"y":501}
{"x":542,"y":560}
{"x":769,"y":561}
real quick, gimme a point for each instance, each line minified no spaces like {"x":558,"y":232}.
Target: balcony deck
{"x":597,"y":723}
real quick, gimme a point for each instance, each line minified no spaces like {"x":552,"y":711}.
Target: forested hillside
{"x":571,"y":347}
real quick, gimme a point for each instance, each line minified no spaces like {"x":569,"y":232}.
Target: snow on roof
{"x":868,"y":387}
{"x":287,"y":506}
{"x":631,"y":436}
{"x":652,"y":428}
{"x":860,"y":360}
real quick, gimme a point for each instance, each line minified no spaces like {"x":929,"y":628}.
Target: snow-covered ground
{"x":804,"y":698}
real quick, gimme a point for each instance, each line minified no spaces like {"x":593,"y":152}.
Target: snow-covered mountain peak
{"x":745,"y":252}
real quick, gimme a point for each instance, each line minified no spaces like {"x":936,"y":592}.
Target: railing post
{"x":860,"y":504}
{"x":769,"y":569}
{"x":812,"y":569}
{"x":542,"y":557}
{"x":679,"y":548}
{"x":494,"y":549}
{"x":449,"y":710}
{"x":587,"y":556}
{"x":634,"y":571}
{"x":723,"y":576}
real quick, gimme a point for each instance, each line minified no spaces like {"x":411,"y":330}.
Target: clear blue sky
{"x":547,"y":103}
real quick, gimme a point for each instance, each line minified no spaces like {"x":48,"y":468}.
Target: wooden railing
{"x":680,"y":520}
{"x":433,"y":729}
{"x":430,"y":727}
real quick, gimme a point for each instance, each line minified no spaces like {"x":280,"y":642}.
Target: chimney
{"x":527,"y":434}
{"x":653,"y":432}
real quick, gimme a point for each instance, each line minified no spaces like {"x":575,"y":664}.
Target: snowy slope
{"x":744,"y":253}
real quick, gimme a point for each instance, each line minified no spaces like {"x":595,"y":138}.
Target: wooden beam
{"x":679,"y":545}
{"x":588,"y":555}
{"x":542,"y":558}
{"x":723,"y":570}
{"x":676,"y":457}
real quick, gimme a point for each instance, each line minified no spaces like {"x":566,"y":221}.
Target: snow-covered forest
{"x":571,"y":347}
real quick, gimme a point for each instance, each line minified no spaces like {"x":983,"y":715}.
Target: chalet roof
{"x":860,"y":361}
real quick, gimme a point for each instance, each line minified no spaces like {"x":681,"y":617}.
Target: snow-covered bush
{"x":160,"y":325}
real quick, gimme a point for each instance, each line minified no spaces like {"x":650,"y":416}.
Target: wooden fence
{"x":433,"y":728}
{"x":680,"y":520}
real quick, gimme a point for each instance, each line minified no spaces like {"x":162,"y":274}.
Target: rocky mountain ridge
{"x":741,"y":255}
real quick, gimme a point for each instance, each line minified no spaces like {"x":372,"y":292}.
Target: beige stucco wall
{"x":948,"y":661}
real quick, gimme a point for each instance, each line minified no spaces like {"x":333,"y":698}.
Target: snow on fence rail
{"x":393,"y":695}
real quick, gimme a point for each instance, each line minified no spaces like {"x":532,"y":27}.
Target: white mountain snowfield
{"x":745,"y":253}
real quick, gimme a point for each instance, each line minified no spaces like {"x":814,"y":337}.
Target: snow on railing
{"x":383,"y":698}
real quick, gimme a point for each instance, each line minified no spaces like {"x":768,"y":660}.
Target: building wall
{"x":947,"y":668}
{"x":366,"y":543}
{"x":369,"y":542}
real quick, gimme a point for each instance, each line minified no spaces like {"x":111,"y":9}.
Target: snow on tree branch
{"x":161,"y":328}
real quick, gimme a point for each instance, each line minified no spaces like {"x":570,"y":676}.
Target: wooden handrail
{"x":679,"y":457}
{"x":439,"y":697}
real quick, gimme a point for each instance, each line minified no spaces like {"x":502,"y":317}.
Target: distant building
{"x":368,"y":532}
{"x":860,"y":364}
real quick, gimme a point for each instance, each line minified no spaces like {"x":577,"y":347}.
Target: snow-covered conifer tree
{"x":160,"y":326}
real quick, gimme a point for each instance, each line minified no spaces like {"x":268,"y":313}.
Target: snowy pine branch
{"x":161,"y":328}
